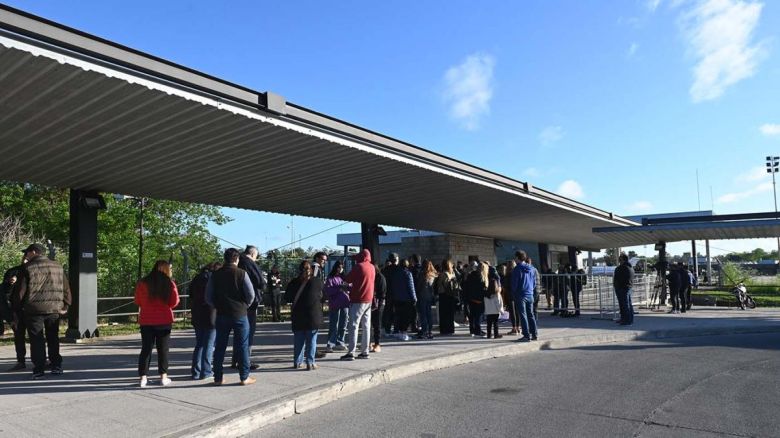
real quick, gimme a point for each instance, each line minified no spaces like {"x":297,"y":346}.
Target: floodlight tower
{"x":772,"y":166}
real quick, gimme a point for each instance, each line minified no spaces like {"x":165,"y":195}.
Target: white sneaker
{"x":143,"y":382}
{"x":456,"y":324}
{"x":165,"y":381}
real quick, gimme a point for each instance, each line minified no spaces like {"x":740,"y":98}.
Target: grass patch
{"x":763,"y":296}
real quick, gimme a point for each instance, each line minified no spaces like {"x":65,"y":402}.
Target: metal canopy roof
{"x":80,"y":112}
{"x":673,"y":232}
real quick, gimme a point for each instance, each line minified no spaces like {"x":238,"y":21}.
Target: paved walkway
{"x":98,"y":394}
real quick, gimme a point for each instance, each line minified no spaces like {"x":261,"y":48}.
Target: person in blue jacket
{"x":523,"y":283}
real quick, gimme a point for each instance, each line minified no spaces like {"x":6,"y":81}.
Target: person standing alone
{"x":623,"y":281}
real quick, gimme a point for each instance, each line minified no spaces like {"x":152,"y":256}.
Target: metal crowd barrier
{"x":596,"y":292}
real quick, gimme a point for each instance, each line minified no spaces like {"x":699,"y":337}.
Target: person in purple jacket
{"x":338,"y":308}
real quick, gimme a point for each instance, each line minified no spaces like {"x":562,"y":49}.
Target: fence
{"x":596,"y":292}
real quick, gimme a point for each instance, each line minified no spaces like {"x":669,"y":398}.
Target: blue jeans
{"x":240,"y":328}
{"x":204,"y":351}
{"x":525,"y":307}
{"x":337,"y":325}
{"x":424,"y":309}
{"x":301,"y":337}
{"x":626,"y":307}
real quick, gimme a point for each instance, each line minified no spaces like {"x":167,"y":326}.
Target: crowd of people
{"x":365,"y":306}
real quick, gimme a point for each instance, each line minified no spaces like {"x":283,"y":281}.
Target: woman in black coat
{"x":304,"y":293}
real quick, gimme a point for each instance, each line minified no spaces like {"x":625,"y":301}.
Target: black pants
{"x":19,"y":333}
{"x":251,"y":316}
{"x":376,"y":328}
{"x":492,"y":322}
{"x":388,"y":317}
{"x":276,"y":306}
{"x":37,"y":326}
{"x":154,"y":336}
{"x":674,"y":297}
{"x":575,"y":294}
{"x":684,"y":294}
{"x":446,"y":314}
{"x":475,"y":318}
{"x":404,"y":312}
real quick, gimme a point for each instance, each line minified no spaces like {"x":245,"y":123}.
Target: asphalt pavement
{"x":99,"y":396}
{"x":686,"y":387}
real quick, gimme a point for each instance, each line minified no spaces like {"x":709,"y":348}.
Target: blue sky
{"x":615,"y":103}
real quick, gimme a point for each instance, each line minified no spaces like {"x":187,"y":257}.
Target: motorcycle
{"x":743,"y":298}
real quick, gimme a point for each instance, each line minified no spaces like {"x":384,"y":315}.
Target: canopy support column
{"x":82,"y":315}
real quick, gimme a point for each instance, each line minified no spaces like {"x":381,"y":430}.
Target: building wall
{"x":461,"y":247}
{"x":505,"y":250}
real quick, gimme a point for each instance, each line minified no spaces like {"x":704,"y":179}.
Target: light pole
{"x":772,"y":166}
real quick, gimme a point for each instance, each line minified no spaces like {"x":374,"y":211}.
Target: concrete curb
{"x":242,"y":421}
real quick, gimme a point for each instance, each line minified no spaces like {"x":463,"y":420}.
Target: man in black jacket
{"x":623,"y":281}
{"x":673,"y":279}
{"x":230,"y":291}
{"x":14,"y":318}
{"x":685,"y":286}
{"x":247,"y":262}
{"x":377,"y":309}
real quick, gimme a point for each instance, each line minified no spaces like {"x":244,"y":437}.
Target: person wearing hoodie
{"x":361,"y":279}
{"x":338,"y":308}
{"x":523,"y":283}
{"x":401,"y":288}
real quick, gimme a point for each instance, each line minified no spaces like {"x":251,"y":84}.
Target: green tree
{"x":171,"y":229}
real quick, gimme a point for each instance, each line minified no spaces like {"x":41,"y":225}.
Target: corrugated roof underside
{"x":695,"y":231}
{"x":63,"y":126}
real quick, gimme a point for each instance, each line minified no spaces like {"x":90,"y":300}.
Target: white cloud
{"x":469,"y":88}
{"x":652,"y":5}
{"x":571,"y":189}
{"x":532,"y":172}
{"x":754,"y":174}
{"x":770,"y":129}
{"x":551,"y":134}
{"x":719,"y":34}
{"x":640,"y":207}
{"x":738,"y":196}
{"x":632,"y":50}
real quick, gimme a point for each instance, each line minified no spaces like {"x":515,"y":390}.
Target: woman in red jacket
{"x":156,"y":296}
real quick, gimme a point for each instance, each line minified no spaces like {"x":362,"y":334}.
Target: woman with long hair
{"x":425,"y":290}
{"x":448,"y":289}
{"x":475,"y":289}
{"x":338,"y":308}
{"x":156,"y":295}
{"x":304,"y":294}
{"x":509,"y":301}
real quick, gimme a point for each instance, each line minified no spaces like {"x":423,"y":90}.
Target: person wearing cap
{"x":14,"y":318}
{"x":42,"y":295}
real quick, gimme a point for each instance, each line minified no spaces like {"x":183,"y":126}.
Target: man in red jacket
{"x":361,"y":278}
